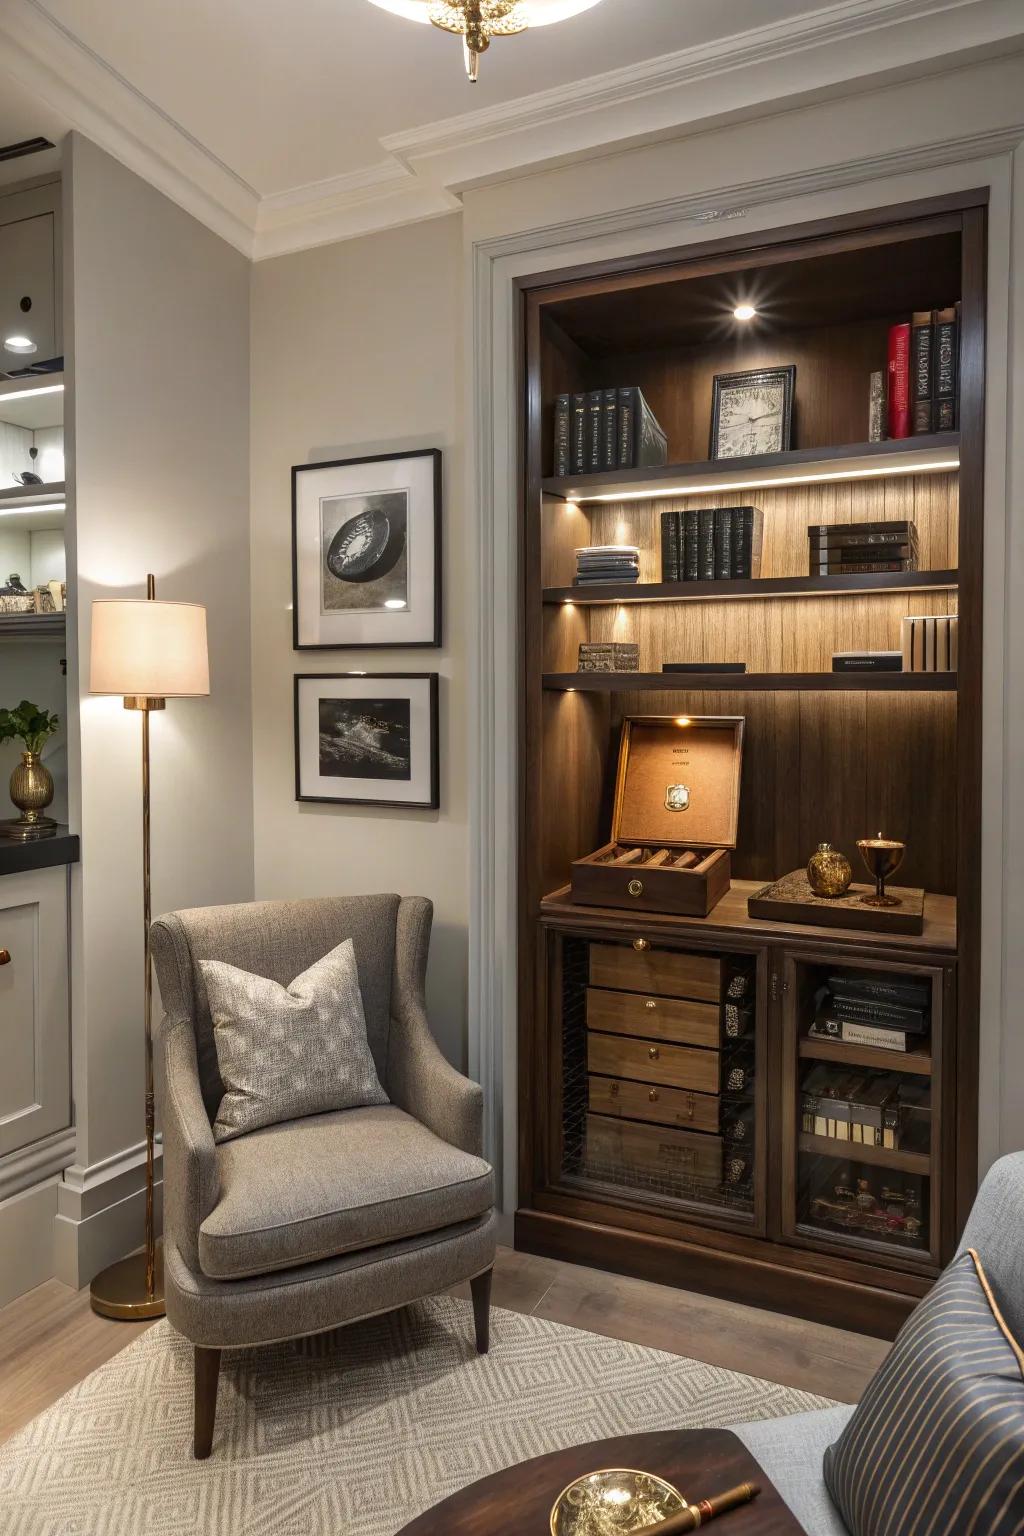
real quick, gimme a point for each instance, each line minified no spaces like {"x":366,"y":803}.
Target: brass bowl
{"x":612,"y":1502}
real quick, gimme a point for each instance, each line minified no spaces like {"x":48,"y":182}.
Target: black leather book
{"x":703,"y":666}
{"x":723,"y":543}
{"x":626,"y":417}
{"x":595,"y":431}
{"x":579,"y":435}
{"x":563,"y":456}
{"x":670,"y":547}
{"x":689,"y":555}
{"x":946,"y":368}
{"x":921,"y":352}
{"x":747,"y":538}
{"x":867,"y":661}
{"x":609,"y":429}
{"x":642,"y":442}
{"x":706,"y":544}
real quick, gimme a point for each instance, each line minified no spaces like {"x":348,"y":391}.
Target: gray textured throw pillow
{"x":286,"y":1052}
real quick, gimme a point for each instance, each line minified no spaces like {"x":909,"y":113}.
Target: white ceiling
{"x":288,"y":92}
{"x":288,"y":123}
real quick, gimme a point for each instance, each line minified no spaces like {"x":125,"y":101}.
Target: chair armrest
{"x":191,"y":1181}
{"x":420,"y":1078}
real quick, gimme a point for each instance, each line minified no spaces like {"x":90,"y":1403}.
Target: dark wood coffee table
{"x":699,"y":1462}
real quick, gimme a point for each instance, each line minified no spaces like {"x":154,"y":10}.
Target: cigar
{"x":695,"y":1515}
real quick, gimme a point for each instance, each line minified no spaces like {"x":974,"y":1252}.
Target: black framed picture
{"x":367,"y":739}
{"x":366,"y":552}
{"x":752,"y":412}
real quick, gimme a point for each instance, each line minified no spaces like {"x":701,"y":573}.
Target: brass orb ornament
{"x":883,"y":857}
{"x":829,"y":872}
{"x":31,"y":792}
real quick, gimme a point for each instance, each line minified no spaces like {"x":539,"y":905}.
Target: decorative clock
{"x":752,"y":412}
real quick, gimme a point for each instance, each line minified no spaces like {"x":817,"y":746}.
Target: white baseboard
{"x":101,"y":1212}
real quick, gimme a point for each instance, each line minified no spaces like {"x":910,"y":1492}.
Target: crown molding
{"x":424,"y":169}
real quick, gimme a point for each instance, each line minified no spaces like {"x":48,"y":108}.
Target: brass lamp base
{"x":24,"y":831}
{"x":120,"y":1290}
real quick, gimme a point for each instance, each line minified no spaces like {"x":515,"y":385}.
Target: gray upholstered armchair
{"x":299,"y":1227}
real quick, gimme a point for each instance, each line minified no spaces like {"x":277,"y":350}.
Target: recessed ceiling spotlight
{"x":744,"y":312}
{"x":394,"y":602}
{"x":20,"y":344}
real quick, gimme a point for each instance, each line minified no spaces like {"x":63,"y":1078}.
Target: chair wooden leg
{"x":481,"y":1289}
{"x":207,"y":1374}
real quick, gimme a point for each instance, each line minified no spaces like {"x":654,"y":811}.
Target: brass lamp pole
{"x":147,"y":651}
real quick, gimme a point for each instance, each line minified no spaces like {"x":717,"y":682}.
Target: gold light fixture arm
{"x":476,"y":22}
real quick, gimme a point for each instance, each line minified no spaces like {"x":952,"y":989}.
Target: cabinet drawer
{"x":652,"y":1151}
{"x":675,"y":1066}
{"x":656,"y":1018}
{"x":662,"y":1106}
{"x":661,"y":972}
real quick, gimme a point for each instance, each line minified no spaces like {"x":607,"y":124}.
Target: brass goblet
{"x":883,"y":857}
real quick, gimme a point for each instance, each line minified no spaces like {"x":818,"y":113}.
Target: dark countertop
{"x":41,"y":853}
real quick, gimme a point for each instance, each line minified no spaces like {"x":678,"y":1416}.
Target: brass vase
{"x":829,"y":872}
{"x":31,"y":792}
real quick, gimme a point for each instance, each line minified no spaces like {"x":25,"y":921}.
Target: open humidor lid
{"x":678,"y":783}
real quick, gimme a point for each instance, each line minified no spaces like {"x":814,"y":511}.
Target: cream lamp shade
{"x":148,"y":648}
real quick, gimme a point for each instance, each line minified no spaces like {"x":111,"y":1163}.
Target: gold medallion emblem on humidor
{"x":677,"y":797}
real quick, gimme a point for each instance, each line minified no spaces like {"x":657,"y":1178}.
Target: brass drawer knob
{"x":650,"y":1003}
{"x":635,"y":887}
{"x":653,"y":1052}
{"x":641,"y":944}
{"x":5,"y":957}
{"x":689,"y":1107}
{"x":615,"y":1090}
{"x":653,"y":1095}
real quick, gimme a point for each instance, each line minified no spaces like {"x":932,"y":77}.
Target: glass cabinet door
{"x":661,"y":1075}
{"x":861,"y":1107}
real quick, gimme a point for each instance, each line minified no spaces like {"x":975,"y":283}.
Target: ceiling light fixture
{"x":477,"y":21}
{"x":20,"y":344}
{"x":744,"y":312}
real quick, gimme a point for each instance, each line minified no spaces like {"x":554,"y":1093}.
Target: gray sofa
{"x":300,"y":1227}
{"x":791,"y":1450}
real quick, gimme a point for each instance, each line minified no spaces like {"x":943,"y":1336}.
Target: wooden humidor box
{"x":652,"y":1151}
{"x":675,"y":818}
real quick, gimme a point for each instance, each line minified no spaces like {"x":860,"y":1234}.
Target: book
{"x":862,"y":1010}
{"x":642,"y":442}
{"x":898,"y":371}
{"x":843,"y":531}
{"x":874,"y":1035}
{"x":595,"y":432}
{"x":844,"y":534}
{"x":876,"y":408}
{"x":930,"y":643}
{"x":887,"y":549}
{"x":703,"y":666}
{"x":747,"y":542}
{"x":945,"y":370}
{"x":670,"y":547}
{"x":689,"y":552}
{"x":609,"y":429}
{"x":563,"y":456}
{"x":706,"y":544}
{"x":723,"y":543}
{"x":882,"y":989}
{"x":867,"y":661}
{"x":861,"y":567}
{"x":579,"y":435}
{"x":921,"y":333}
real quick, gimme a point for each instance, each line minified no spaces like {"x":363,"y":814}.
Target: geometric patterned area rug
{"x":351,"y":1434}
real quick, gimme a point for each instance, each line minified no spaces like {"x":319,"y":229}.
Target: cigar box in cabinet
{"x":675,"y":817}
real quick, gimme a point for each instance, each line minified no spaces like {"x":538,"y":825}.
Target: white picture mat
{"x":416,"y":790}
{"x":413,"y":625}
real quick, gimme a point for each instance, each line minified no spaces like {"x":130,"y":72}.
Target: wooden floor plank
{"x":50,"y":1338}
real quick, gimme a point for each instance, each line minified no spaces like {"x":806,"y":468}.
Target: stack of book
{"x":711,"y":544}
{"x":863,"y":1108}
{"x":603,"y":429}
{"x":923,"y":376}
{"x":891,"y":1014}
{"x":931,"y":643}
{"x":607,"y":562}
{"x":848,"y":549}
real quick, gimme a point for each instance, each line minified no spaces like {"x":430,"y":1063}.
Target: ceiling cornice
{"x":425,"y":168}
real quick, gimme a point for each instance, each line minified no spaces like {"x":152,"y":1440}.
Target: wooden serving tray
{"x":791,"y":900}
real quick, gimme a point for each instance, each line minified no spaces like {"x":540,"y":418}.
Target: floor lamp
{"x":148,"y":652}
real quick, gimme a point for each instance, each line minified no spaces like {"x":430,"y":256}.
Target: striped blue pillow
{"x":936,"y":1445}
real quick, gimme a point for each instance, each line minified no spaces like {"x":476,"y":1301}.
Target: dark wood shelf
{"x":750,"y":682}
{"x":907,"y":455}
{"x":771,"y":586}
{"x":32,"y":626}
{"x":845,"y":1055}
{"x":855,"y":1152}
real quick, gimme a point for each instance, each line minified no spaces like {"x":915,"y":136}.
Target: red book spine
{"x":899,"y":380}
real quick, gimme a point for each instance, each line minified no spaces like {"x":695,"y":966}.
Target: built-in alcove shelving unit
{"x":708,"y":1168}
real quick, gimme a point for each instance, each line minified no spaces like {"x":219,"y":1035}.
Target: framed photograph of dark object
{"x":752,"y":412}
{"x":366,"y":552}
{"x":367,"y":740}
